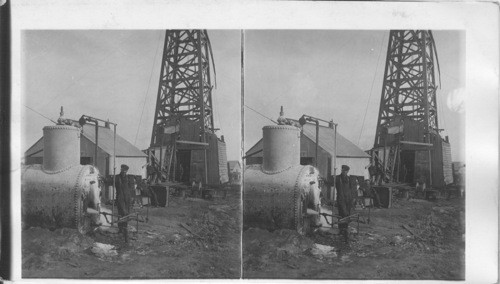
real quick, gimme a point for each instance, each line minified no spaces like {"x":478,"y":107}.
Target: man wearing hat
{"x":123,"y":189}
{"x":344,"y":188}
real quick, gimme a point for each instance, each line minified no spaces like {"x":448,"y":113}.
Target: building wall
{"x":223,"y":168}
{"x":87,"y":150}
{"x":217,"y":161}
{"x":254,"y":160}
{"x":441,"y":163}
{"x":34,"y":160}
{"x":447,"y":168}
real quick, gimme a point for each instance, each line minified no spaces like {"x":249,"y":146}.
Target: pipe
{"x":96,"y":143}
{"x":317,"y":143}
{"x":335,"y":161}
{"x":114,"y":173}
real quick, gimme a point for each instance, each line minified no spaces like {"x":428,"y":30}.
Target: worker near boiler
{"x":124,"y":186}
{"x":344,"y":188}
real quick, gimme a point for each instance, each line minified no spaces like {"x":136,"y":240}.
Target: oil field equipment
{"x":60,"y":192}
{"x":408,"y":147}
{"x":281,"y":193}
{"x":184,"y":146}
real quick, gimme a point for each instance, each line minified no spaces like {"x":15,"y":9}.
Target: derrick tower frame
{"x":185,"y":90}
{"x":409,"y":87}
{"x":407,"y":138}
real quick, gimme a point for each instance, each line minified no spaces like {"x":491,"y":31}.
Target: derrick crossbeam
{"x":409,"y":87}
{"x":185,"y":90}
{"x":408,"y":92}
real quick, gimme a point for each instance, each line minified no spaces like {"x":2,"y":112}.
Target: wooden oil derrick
{"x":408,"y":117}
{"x":184,"y":103}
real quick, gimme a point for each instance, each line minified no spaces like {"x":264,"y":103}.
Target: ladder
{"x":391,"y":165}
{"x":164,"y":165}
{"x":170,"y":159}
{"x":392,"y":162}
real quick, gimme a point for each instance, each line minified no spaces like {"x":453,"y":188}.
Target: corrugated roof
{"x":123,"y":147}
{"x":345,"y":148}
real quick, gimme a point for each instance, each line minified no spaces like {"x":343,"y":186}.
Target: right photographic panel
{"x":354,"y":154}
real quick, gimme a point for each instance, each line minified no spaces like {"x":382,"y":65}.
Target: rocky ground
{"x":195,"y":238}
{"x":415,"y":239}
{"x":191,"y":238}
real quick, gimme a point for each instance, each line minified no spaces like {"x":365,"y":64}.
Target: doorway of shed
{"x":184,"y":162}
{"x":408,"y":162}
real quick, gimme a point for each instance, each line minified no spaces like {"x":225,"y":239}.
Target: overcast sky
{"x":114,"y":75}
{"x":338,"y":75}
{"x":328,"y":74}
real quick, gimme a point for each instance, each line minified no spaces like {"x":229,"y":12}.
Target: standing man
{"x":124,"y":186}
{"x":344,"y":199}
{"x":151,"y":172}
{"x":372,"y":170}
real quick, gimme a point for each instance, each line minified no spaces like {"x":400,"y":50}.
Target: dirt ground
{"x":382,"y":249}
{"x":161,"y":248}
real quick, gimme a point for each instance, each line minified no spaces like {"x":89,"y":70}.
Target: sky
{"x":329,"y":74}
{"x":113,"y":74}
{"x":338,"y":74}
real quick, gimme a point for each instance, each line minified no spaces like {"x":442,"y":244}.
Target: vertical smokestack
{"x":281,"y":147}
{"x":61,"y":147}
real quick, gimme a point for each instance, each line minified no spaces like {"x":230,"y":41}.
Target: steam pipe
{"x":96,"y":143}
{"x":317,"y":143}
{"x":82,"y":121}
{"x":114,"y":172}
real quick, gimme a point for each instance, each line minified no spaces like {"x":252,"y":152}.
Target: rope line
{"x":147,"y":92}
{"x":261,"y":114}
{"x":371,"y":88}
{"x":39,"y":114}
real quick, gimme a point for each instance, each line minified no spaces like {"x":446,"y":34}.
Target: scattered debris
{"x":411,"y":232}
{"x":104,"y":250}
{"x":409,"y":241}
{"x":322,"y":251}
{"x":211,"y":250}
{"x":186,"y":226}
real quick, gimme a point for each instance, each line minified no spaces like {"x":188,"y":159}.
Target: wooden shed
{"x":183,"y":137}
{"x":417,"y":159}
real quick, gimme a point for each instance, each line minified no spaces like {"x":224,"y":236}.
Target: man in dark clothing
{"x":372,"y":170}
{"x":344,"y":188}
{"x":124,"y":186}
{"x":151,"y":172}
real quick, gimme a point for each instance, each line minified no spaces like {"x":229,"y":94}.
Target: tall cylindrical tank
{"x":281,"y":147}
{"x":61,"y":147}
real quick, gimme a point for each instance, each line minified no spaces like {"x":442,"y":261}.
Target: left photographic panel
{"x":131,"y":154}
